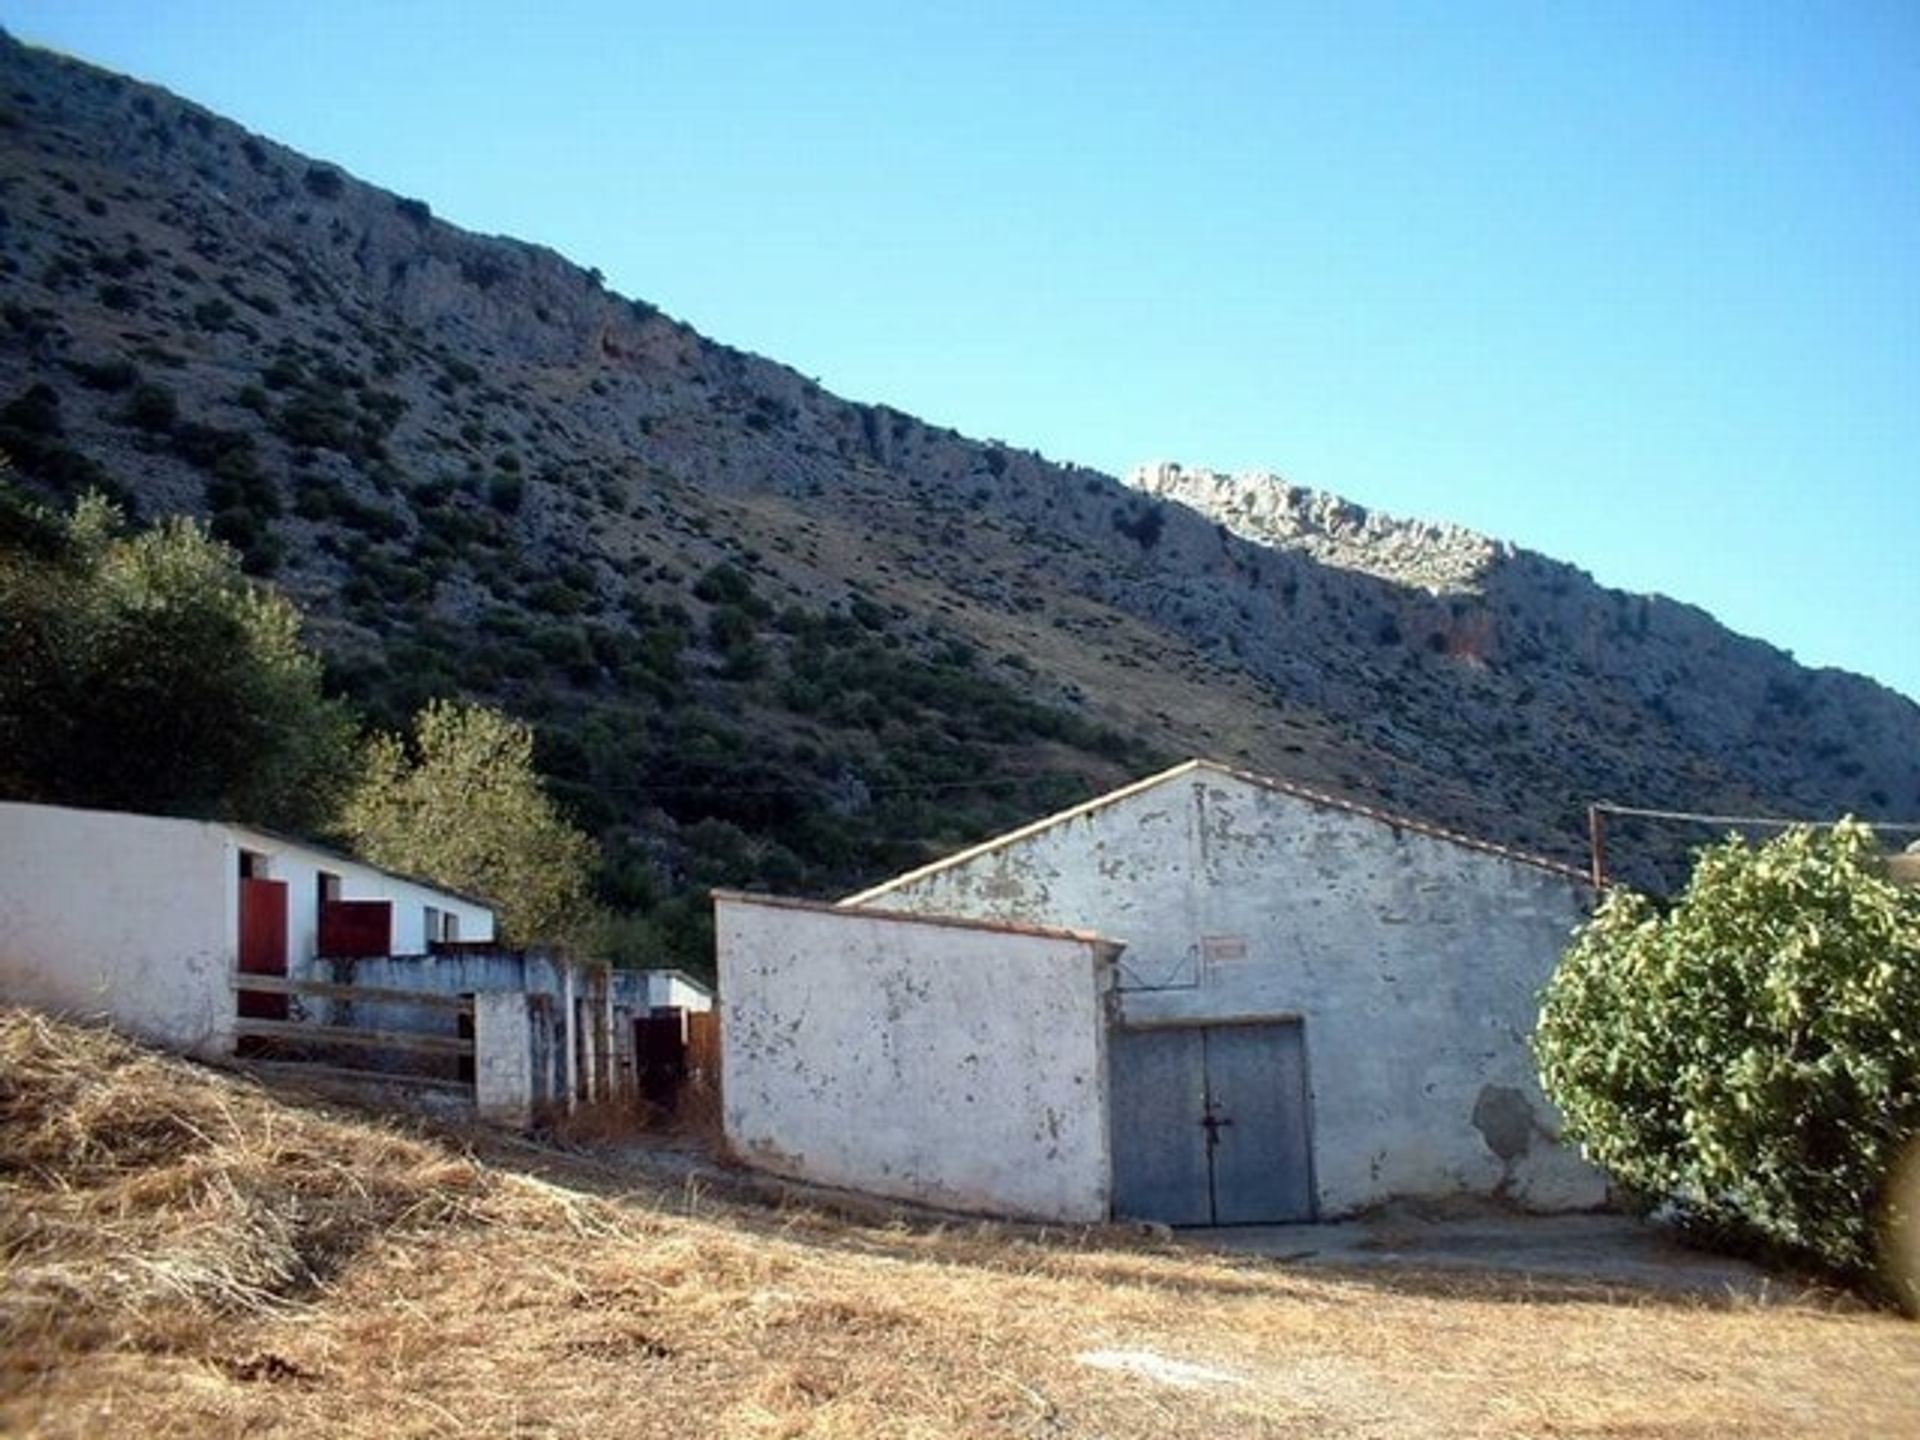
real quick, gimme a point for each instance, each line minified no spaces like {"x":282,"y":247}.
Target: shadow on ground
{"x":1483,"y":1252}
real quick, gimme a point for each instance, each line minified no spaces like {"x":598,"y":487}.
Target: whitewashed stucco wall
{"x":677,"y":990}
{"x":643,"y":990}
{"x":947,"y":1063}
{"x":1414,"y":961}
{"x":128,"y":918}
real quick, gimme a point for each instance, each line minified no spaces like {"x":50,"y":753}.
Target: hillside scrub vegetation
{"x":770,"y":638}
{"x":191,"y":1253}
{"x":485,"y":476}
{"x":1751,"y":1054}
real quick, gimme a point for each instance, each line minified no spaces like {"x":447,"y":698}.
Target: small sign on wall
{"x":1222,"y":949}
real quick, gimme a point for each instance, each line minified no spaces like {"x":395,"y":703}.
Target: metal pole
{"x":1597,"y":840}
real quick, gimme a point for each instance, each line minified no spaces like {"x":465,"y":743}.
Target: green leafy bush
{"x":144,"y":672}
{"x":1752,"y":1054}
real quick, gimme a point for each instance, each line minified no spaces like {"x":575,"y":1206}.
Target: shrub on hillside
{"x":151,"y":406}
{"x":1752,"y":1054}
{"x":323,"y":182}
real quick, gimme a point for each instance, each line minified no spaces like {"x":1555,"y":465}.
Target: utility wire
{"x":910,"y":787}
{"x":1904,"y":826}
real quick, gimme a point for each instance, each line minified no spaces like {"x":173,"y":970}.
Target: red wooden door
{"x":263,"y":944}
{"x":356,"y":928}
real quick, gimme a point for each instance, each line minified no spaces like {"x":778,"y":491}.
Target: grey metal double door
{"x":1209,"y":1124}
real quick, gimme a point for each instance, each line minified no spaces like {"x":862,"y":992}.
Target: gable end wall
{"x":1415,"y":962}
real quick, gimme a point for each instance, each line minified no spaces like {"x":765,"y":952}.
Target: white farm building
{"x":147,"y":920}
{"x":1207,"y":998}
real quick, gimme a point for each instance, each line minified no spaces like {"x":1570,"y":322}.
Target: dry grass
{"x":190,"y":1254}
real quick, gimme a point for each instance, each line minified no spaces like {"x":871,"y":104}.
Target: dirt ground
{"x":187,"y":1253}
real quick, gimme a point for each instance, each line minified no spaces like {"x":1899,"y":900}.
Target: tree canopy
{"x":1752,"y":1053}
{"x":461,"y":804}
{"x":144,"y":671}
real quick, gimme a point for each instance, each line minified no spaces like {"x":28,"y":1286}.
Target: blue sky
{"x":1634,"y":284}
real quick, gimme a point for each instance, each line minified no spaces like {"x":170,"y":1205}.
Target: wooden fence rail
{"x":353,"y":1035}
{"x":252,"y":1027}
{"x":332,"y":990}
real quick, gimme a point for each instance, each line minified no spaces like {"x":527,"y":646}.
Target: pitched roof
{"x":270,"y":837}
{"x":1198,"y":766}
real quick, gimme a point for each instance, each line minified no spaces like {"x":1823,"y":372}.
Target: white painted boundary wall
{"x":127,"y":918}
{"x":947,"y":1062}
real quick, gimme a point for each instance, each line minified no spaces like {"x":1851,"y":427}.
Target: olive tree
{"x":461,"y":804}
{"x":1753,"y":1052}
{"x":144,"y":671}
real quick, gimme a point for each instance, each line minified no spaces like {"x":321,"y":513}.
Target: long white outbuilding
{"x":144,"y":920}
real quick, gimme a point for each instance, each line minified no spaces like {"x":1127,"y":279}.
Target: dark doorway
{"x":660,"y":1056}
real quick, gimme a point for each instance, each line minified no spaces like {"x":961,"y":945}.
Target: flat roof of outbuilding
{"x":952,"y":922}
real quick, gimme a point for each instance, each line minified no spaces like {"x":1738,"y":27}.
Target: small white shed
{"x":1318,"y":1007}
{"x":144,"y":920}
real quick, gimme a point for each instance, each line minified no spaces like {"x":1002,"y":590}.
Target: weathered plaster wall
{"x":1123,"y":868}
{"x":1415,"y":962}
{"x":641,"y":991}
{"x":129,"y":918}
{"x":679,"y":991}
{"x":957,"y":1065}
{"x":452,"y":973}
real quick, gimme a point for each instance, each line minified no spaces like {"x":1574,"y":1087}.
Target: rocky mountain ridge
{"x":1269,"y":510}
{"x":773,"y":637}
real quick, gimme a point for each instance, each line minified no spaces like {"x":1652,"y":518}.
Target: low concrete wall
{"x":519,"y":974}
{"x":504,"y":1087}
{"x":459,"y":973}
{"x":127,"y":918}
{"x":956,"y":1064}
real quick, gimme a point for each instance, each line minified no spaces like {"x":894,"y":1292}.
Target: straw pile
{"x":143,"y":1195}
{"x":187,"y":1253}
